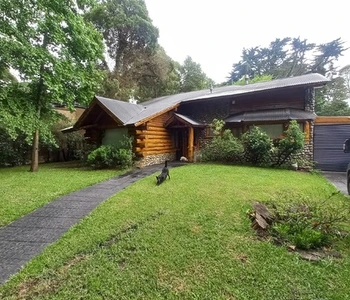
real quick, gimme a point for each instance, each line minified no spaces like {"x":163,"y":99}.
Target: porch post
{"x":190,"y":144}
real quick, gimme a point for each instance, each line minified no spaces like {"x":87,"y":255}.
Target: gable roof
{"x":124,"y":111}
{"x":136,"y":114}
{"x":184,"y":120}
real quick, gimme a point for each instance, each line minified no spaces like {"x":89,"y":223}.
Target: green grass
{"x":188,"y":238}
{"x":23,"y":191}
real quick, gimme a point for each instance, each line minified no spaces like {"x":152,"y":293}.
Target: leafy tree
{"x":345,"y":74}
{"x":127,"y":30}
{"x":55,"y":52}
{"x":292,"y":57}
{"x":256,"y":79}
{"x":288,"y":57}
{"x":192,"y":76}
{"x":152,"y":75}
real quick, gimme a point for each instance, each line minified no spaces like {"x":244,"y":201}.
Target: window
{"x":274,"y":131}
{"x":209,"y":132}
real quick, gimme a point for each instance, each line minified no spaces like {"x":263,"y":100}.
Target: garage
{"x":329,"y":136}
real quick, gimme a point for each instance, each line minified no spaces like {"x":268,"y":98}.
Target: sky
{"x":214,"y":33}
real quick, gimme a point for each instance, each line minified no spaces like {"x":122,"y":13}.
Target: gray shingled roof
{"x":189,"y":120}
{"x":271,"y":115}
{"x":124,"y":111}
{"x":131,"y":114}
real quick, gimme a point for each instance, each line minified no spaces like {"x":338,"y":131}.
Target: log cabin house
{"x":179,"y":125}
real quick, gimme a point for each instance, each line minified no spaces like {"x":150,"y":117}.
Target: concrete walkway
{"x":26,"y":237}
{"x":338,"y":179}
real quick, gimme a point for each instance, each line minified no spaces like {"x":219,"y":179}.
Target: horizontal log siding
{"x":153,"y":139}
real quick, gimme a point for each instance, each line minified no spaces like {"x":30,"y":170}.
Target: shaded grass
{"x":23,"y":191}
{"x":189,"y":238}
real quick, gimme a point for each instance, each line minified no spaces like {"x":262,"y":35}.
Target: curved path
{"x":26,"y":237}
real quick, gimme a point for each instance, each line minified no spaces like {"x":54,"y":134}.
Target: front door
{"x":180,"y":137}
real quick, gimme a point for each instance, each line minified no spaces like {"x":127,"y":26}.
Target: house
{"x":179,"y":125}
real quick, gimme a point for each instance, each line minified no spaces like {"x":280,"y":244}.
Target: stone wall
{"x":155,"y":159}
{"x":310,"y":107}
{"x":310,"y":99}
{"x":309,"y":145}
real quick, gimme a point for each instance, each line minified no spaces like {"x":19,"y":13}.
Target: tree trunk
{"x":35,"y":152}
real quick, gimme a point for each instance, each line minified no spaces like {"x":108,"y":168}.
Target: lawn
{"x":188,"y":238}
{"x":23,"y":191}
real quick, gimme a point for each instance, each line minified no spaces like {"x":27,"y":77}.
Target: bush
{"x":290,"y":145}
{"x":307,"y":225}
{"x":224,"y":147}
{"x":257,"y":146}
{"x":110,"y":156}
{"x":13,"y":152}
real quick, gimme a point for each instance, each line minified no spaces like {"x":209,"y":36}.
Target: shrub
{"x":13,"y":152}
{"x":257,"y":146}
{"x":291,"y":144}
{"x":224,"y":147}
{"x":307,"y":225}
{"x":111,"y":156}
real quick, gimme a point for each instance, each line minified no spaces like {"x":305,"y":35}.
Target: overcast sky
{"x":214,"y":33}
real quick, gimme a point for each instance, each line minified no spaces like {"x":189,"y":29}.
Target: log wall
{"x":152,"y":138}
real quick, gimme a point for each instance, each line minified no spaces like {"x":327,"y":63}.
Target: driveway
{"x":338,"y":179}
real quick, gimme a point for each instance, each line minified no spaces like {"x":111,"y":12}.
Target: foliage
{"x":110,"y":156}
{"x":224,"y":147}
{"x":55,"y":51}
{"x":141,"y":68}
{"x":307,"y":224}
{"x":288,"y":57}
{"x":256,"y":79}
{"x":331,"y":100}
{"x":192,"y":238}
{"x":13,"y":152}
{"x":127,"y":30}
{"x":345,"y":74}
{"x":290,"y":145}
{"x":69,"y":144}
{"x":192,"y":76}
{"x":151,"y":75}
{"x":257,"y":146}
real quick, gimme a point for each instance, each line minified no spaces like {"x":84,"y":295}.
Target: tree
{"x":192,"y":76}
{"x":152,"y":75}
{"x":55,"y":52}
{"x":288,"y":57}
{"x":127,"y":30}
{"x":293,"y":57}
{"x":345,"y":74}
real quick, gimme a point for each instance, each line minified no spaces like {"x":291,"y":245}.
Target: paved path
{"x":338,"y":179}
{"x":26,"y":237}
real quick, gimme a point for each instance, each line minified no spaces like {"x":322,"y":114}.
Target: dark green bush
{"x":110,"y":156}
{"x":291,"y":144}
{"x":257,"y":146}
{"x":13,"y":152}
{"x":224,"y":147}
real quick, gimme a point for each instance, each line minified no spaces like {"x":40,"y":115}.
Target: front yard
{"x":189,"y":238}
{"x":23,"y":192}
